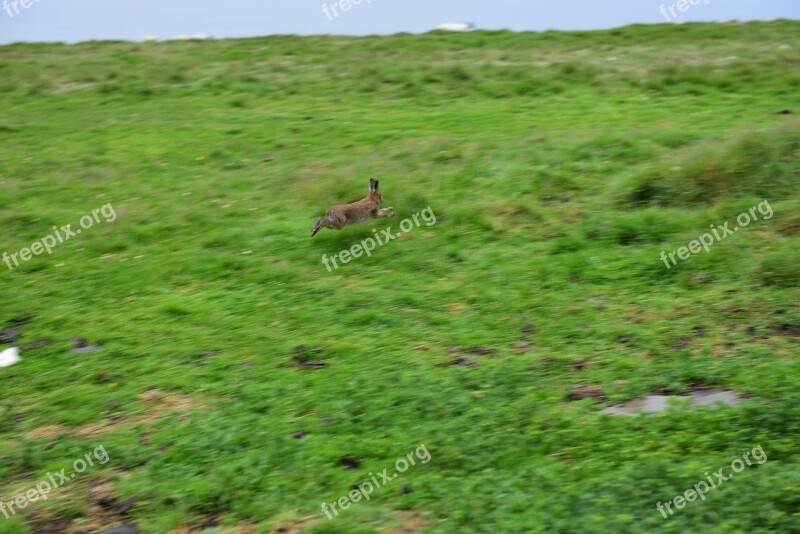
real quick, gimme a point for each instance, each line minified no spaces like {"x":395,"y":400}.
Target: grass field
{"x":559,"y":166}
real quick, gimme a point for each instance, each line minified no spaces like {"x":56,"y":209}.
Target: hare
{"x":363,"y":210}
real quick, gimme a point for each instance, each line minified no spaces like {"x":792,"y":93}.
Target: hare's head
{"x":374,"y":194}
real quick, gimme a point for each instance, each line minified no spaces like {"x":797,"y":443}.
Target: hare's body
{"x":337,"y":217}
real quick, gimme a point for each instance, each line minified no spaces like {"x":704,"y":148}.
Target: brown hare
{"x":363,"y":210}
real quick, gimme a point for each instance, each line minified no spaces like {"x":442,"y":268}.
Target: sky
{"x":82,"y":20}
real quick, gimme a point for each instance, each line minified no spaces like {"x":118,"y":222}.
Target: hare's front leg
{"x":385,"y":212}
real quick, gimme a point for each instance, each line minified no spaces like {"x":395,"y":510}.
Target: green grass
{"x":557,"y":174}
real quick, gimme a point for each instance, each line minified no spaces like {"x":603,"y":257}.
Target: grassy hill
{"x":240,"y":384}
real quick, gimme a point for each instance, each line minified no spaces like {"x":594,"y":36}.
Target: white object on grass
{"x":9,"y":357}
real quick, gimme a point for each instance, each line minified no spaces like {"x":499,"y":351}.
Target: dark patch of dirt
{"x":82,"y":346}
{"x":480,"y":351}
{"x":10,"y":336}
{"x":465,"y":362}
{"x":303,"y":360}
{"x":55,"y":526}
{"x":106,"y":378}
{"x":102,"y":495}
{"x":19,"y":321}
{"x":303,"y":363}
{"x":524,"y":347}
{"x":104,"y":515}
{"x":207,"y":524}
{"x":126,"y":507}
{"x":350,"y":462}
{"x":586,"y":392}
{"x":296,"y":527}
{"x":699,"y":330}
{"x":683,"y":343}
{"x":300,"y":434}
{"x":36,"y":344}
{"x":786,"y":329}
{"x":14,"y":329}
{"x":580,"y":366}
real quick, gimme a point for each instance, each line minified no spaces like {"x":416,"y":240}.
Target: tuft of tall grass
{"x":762,"y":163}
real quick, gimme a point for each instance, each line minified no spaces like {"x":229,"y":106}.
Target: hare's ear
{"x":373,"y":185}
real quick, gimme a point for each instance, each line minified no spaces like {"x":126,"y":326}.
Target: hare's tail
{"x":317,"y":227}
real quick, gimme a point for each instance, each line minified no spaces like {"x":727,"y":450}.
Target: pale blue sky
{"x":81,"y":20}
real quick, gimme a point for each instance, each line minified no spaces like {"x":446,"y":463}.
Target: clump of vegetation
{"x":762,"y":163}
{"x":780,"y":268}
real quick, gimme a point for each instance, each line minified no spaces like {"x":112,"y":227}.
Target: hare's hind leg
{"x":319,"y":225}
{"x":335,"y":221}
{"x":331,"y":220}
